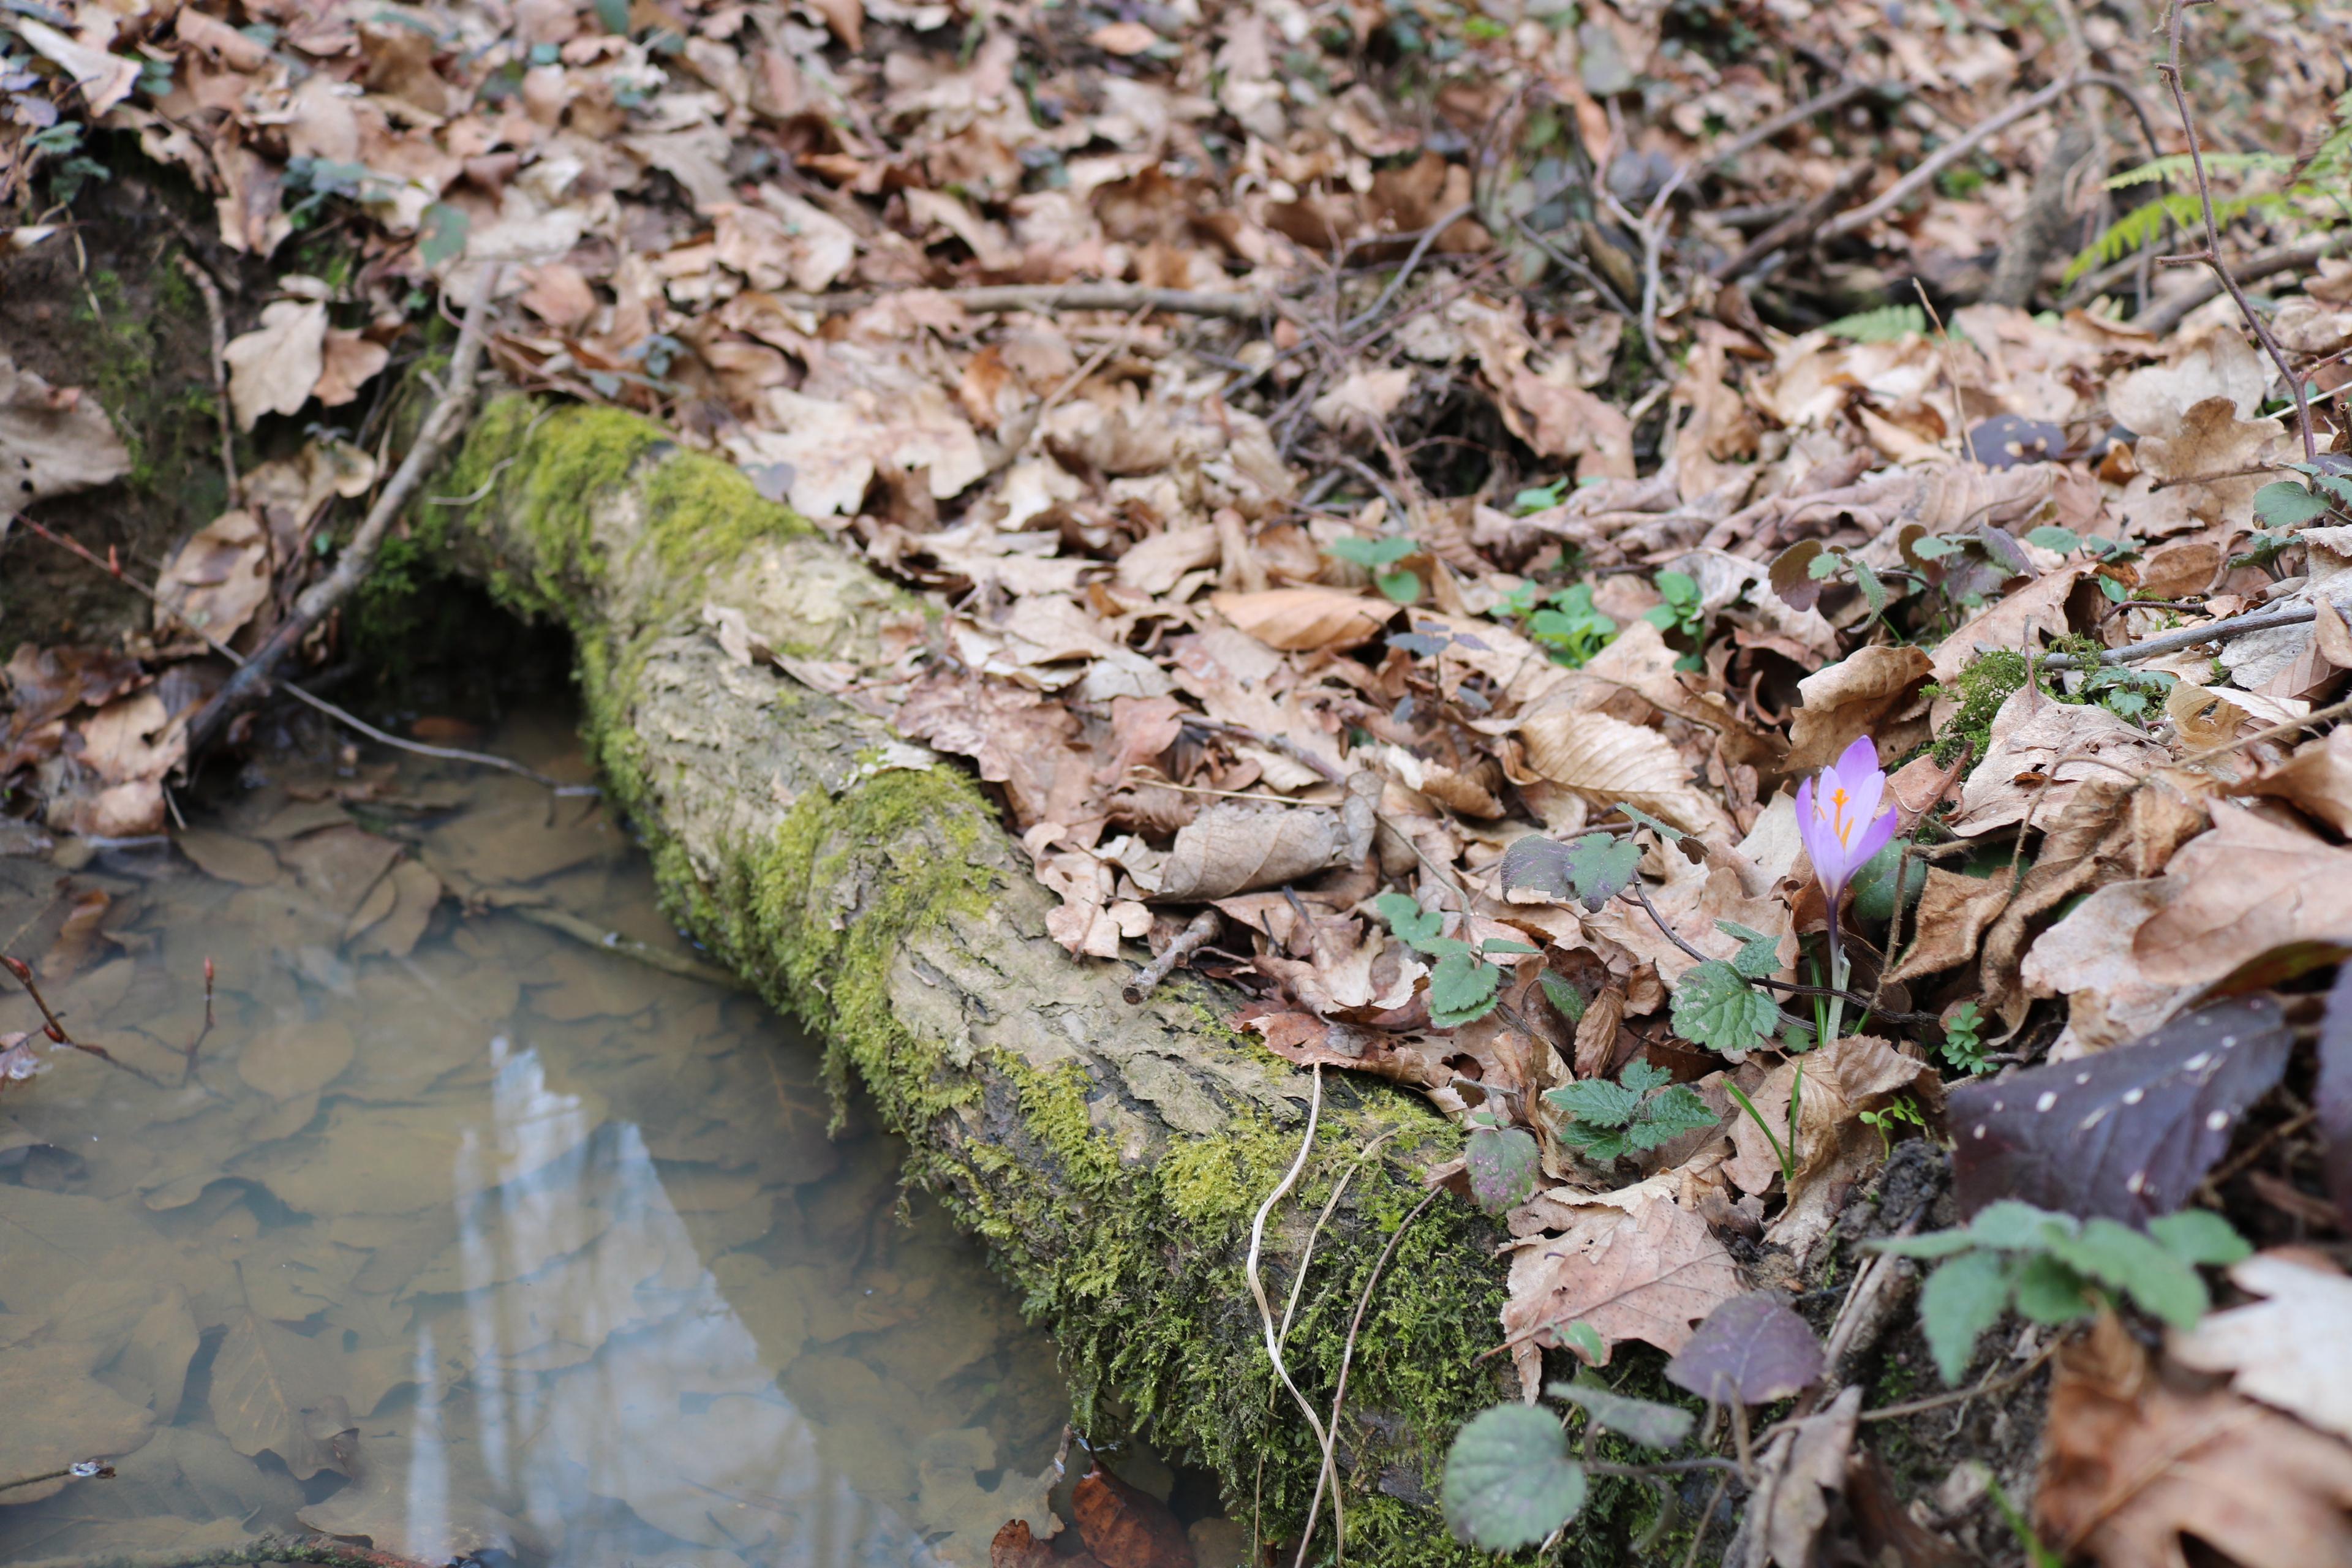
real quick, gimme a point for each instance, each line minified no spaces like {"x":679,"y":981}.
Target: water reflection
{"x":475,"y":1241}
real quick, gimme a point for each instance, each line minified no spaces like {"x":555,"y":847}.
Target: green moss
{"x":1982,"y":686}
{"x":1137,"y":1263}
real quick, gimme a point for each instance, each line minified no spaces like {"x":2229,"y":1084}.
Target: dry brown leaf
{"x":348,"y":361}
{"x":1954,"y":913}
{"x":2213,"y":437}
{"x":1634,"y":1264}
{"x":1296,"y":619}
{"x":1796,"y":1475}
{"x":218,"y":579}
{"x":1153,"y":563}
{"x":1607,"y":761}
{"x":1834,"y":1150}
{"x":2237,"y":892}
{"x":2041,"y":753}
{"x":2317,"y":780}
{"x":105,"y":78}
{"x":2217,"y":364}
{"x":2020,"y":620}
{"x":2294,"y":1348}
{"x":1362,"y":400}
{"x":1862,"y":694}
{"x":2136,"y":1458}
{"x":54,"y":440}
{"x":272,"y":369}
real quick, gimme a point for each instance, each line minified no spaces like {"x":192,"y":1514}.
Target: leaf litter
{"x":1573,"y":453}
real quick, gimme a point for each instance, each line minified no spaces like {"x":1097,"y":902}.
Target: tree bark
{"x":1111,"y":1155}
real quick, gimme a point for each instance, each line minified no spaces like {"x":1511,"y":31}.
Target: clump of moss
{"x":1982,"y":686}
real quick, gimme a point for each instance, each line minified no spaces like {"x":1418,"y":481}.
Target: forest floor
{"x":1738,"y":595}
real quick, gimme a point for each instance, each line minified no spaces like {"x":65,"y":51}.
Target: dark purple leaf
{"x":1752,"y":1349}
{"x":2127,"y":1133}
{"x":1792,"y":576}
{"x":2333,"y":1098}
{"x":1502,"y":1164}
{"x":2005,"y":440}
{"x":1595,"y":868}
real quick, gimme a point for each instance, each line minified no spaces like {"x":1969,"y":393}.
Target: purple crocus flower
{"x":1839,"y":819}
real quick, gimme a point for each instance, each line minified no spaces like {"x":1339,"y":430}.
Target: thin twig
{"x":2190,"y":637}
{"x":188,"y":1057}
{"x":342,"y":716}
{"x":1959,"y":146}
{"x":1339,"y":1395}
{"x":55,"y":1030}
{"x":1188,"y":941}
{"x":1008,"y":297}
{"x":2169,"y":313}
{"x":2170,"y":70}
{"x":359,"y":553}
{"x":88,"y":1471}
{"x":217,"y":321}
{"x":1962,"y":1395}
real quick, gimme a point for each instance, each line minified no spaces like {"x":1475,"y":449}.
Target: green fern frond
{"x":2143,"y":225}
{"x":2178,"y":166}
{"x":1886,"y":324}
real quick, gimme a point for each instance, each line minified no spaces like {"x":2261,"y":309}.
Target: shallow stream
{"x":469,"y":1232}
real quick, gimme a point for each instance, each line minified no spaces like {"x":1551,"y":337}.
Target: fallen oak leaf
{"x":2292,"y":1349}
{"x":1297,"y":619}
{"x":2133,"y":1462}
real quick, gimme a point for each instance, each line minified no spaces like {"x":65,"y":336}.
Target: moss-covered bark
{"x":1111,"y":1155}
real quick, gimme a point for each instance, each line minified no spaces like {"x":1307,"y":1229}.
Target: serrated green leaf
{"x":1585,"y":1340}
{"x":1412,"y":924}
{"x":614,"y":15}
{"x":1596,"y":1102}
{"x":1371,"y":553}
{"x":1405,"y":587}
{"x":1935,"y":547}
{"x":1668,"y":1115}
{"x":1461,"y":989}
{"x":2137,"y":1265}
{"x":1825,"y":565}
{"x":1759,"y":954}
{"x":1873,"y":586}
{"x":1647,"y":1422}
{"x":1562,"y":995}
{"x":1962,"y":1299}
{"x":2199,"y":1235}
{"x":2288,"y":505}
{"x":2050,"y":1292}
{"x":2050,"y":536}
{"x":1502,"y":1164}
{"x":1933,"y":1243}
{"x":1641,"y":1076}
{"x":1715,"y":1007}
{"x":1509,"y":1479}
{"x":1632,"y":814}
{"x":441,"y":234}
{"x":1505,"y":944}
{"x":2019,"y":1227}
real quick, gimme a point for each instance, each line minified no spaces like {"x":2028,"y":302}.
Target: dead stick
{"x":252,"y":678}
{"x":1007,"y":297}
{"x":2190,"y":637}
{"x":2170,"y":70}
{"x":216,"y":320}
{"x":2162,"y":317}
{"x":340,"y":716}
{"x":1188,"y":941}
{"x":1959,"y":146}
{"x":57,"y":1030}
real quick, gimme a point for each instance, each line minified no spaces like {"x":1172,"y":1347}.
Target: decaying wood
{"x":1109,"y":1152}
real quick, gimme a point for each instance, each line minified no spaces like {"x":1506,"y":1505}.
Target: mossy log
{"x":1111,"y":1155}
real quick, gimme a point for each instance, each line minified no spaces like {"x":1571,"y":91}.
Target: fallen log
{"x":1111,"y":1155}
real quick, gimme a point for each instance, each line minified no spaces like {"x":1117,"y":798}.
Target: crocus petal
{"x":1821,"y":847}
{"x":1859,"y":760}
{"x":1875,"y":836}
{"x":1863,"y":796}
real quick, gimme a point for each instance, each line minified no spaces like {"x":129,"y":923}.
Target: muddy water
{"x":465,"y":1235}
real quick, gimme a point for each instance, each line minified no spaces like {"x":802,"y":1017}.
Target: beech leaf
{"x":2127,"y":1133}
{"x":1752,"y":1349}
